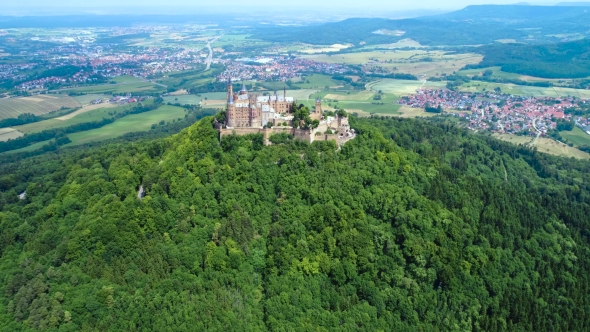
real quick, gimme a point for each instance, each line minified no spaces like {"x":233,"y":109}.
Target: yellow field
{"x":545,"y":145}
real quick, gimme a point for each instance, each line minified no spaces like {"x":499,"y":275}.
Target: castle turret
{"x":318,"y":106}
{"x":230,"y":88}
{"x":230,"y":114}
{"x":243,"y":91}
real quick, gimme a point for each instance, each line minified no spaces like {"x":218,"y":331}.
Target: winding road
{"x":210,"y":57}
{"x":538,"y":131}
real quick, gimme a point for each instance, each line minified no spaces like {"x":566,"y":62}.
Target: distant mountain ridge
{"x":472,"y":25}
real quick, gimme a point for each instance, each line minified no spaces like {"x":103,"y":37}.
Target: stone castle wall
{"x":300,"y":134}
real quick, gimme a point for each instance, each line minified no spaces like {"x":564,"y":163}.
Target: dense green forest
{"x":560,"y":60}
{"x":411,"y":226}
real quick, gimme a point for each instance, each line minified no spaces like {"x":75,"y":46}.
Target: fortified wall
{"x":299,"y":134}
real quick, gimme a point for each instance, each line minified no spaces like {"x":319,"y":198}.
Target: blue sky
{"x":303,"y":4}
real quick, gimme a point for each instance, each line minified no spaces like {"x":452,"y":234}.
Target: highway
{"x":210,"y":57}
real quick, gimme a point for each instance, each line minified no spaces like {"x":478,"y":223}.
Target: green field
{"x":37,"y":105}
{"x":128,"y":124}
{"x":402,"y":87}
{"x":86,"y":99}
{"x":95,"y":115}
{"x":498,"y":73}
{"x":29,"y":148}
{"x":577,"y":136}
{"x":140,"y":87}
{"x":126,"y":79}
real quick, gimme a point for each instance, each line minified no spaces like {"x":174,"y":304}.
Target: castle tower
{"x":318,"y":106}
{"x":243,"y":91}
{"x":230,"y":88}
{"x":255,"y":116}
{"x":230,"y":116}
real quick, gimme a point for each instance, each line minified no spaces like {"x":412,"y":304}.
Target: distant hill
{"x":472,"y":25}
{"x":561,"y":60}
{"x":576,"y":4}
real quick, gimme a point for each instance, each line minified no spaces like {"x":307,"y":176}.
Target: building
{"x":253,"y":111}
{"x":250,"y":114}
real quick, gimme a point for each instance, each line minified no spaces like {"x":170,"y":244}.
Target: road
{"x":210,"y":57}
{"x":538,"y":131}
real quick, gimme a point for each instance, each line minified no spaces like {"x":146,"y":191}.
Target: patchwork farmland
{"x":37,"y":105}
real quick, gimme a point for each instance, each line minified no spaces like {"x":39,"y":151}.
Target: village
{"x":497,"y":112}
{"x":276,"y":68}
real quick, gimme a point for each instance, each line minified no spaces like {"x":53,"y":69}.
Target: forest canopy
{"x":413,"y":225}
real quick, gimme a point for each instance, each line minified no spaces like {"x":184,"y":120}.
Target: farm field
{"x":417,"y":62}
{"x":128,"y":124}
{"x":355,"y":101}
{"x":139,"y":87}
{"x":9,"y":133}
{"x":545,"y":145}
{"x":498,"y":73}
{"x":475,"y":86}
{"x":37,"y":105}
{"x":93,"y":115}
{"x":577,"y":136}
{"x":402,"y":87}
{"x":87,"y":99}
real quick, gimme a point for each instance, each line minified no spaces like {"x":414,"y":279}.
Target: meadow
{"x":545,"y":145}
{"x":128,"y":124}
{"x":94,"y":115}
{"x":577,"y":136}
{"x":37,"y":105}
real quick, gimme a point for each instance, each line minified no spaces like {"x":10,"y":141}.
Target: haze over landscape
{"x":294,"y":166}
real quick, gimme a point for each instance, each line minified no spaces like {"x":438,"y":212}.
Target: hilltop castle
{"x":248,"y":111}
{"x":253,"y":114}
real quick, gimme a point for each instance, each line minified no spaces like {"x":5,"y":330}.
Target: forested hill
{"x":410,"y":226}
{"x":561,"y":60}
{"x":473,"y":25}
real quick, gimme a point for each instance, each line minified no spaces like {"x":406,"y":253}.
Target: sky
{"x":310,"y":4}
{"x":321,"y":8}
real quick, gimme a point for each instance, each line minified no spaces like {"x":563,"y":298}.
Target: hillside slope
{"x":561,"y":60}
{"x":411,"y":226}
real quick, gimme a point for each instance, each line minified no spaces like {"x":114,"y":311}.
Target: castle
{"x":250,"y":111}
{"x":251,"y":114}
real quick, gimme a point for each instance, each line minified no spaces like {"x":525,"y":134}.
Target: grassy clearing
{"x":577,"y":136}
{"x":94,"y":115}
{"x":545,"y":145}
{"x":29,"y":148}
{"x":38,"y":105}
{"x":128,"y":124}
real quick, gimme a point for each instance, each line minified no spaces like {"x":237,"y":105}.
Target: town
{"x":498,"y":112}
